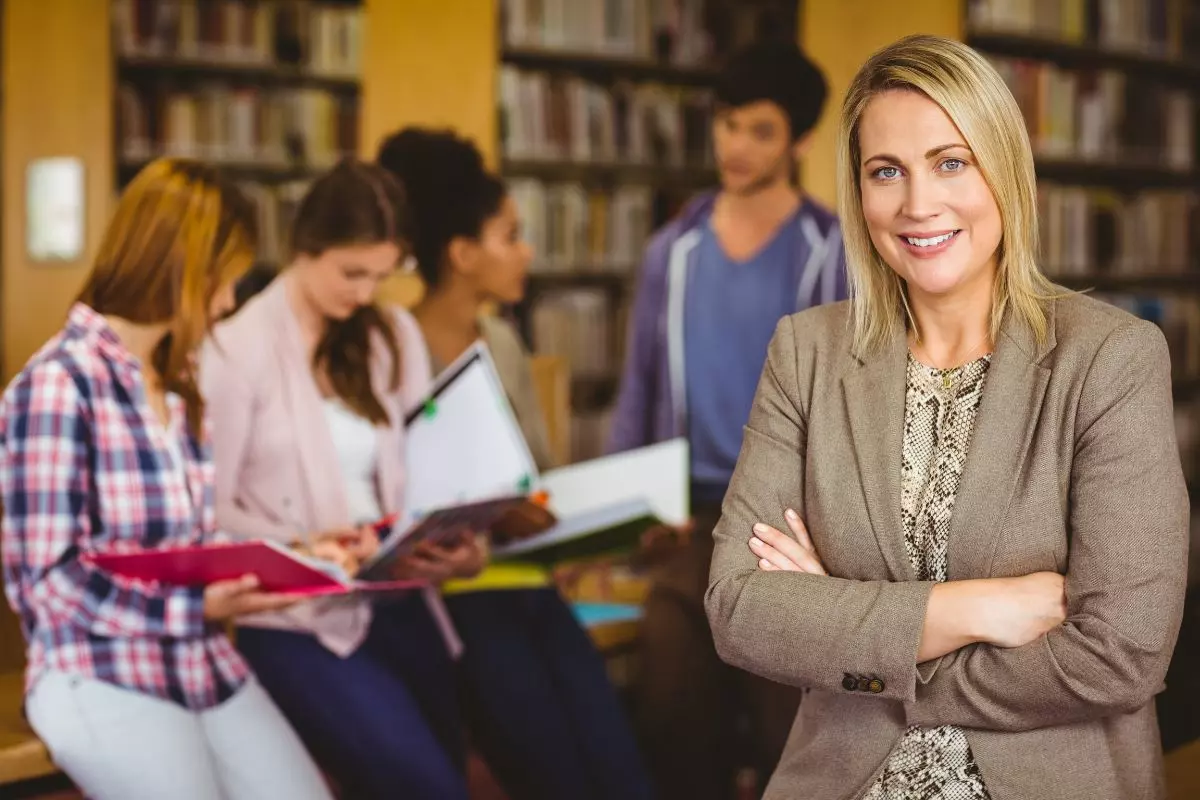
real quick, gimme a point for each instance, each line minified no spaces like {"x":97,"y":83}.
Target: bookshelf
{"x":1111,"y":97}
{"x":267,"y":91}
{"x":605,"y":113}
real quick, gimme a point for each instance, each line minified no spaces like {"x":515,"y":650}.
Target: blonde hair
{"x":179,"y":235}
{"x":978,"y":102}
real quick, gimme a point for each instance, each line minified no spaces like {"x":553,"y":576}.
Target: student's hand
{"x":362,"y":543}
{"x":657,"y":543}
{"x":1016,"y":611}
{"x":335,"y":547}
{"x":778,"y":552}
{"x":234,"y":598}
{"x":464,"y":558}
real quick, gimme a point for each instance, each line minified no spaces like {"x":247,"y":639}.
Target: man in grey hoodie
{"x":714,"y":283}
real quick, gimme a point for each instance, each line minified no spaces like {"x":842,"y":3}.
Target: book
{"x":278,"y":569}
{"x":603,"y":506}
{"x":476,"y":474}
{"x":442,"y":526}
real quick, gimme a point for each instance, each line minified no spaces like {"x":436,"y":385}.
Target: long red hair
{"x":181,"y":233}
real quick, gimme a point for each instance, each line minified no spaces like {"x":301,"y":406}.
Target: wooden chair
{"x":552,"y":380}
{"x":23,"y":757}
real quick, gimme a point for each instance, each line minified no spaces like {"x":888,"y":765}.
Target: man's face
{"x":754,"y":146}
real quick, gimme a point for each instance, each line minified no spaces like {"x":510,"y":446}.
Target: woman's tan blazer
{"x":1073,"y":467}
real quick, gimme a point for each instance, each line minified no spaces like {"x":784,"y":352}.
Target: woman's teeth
{"x":929,"y":242}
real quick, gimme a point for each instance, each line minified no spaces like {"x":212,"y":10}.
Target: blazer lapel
{"x":323,"y":495}
{"x":875,"y":406}
{"x":1008,"y":414}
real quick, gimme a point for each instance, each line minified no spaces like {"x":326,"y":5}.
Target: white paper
{"x":605,"y":492}
{"x":469,"y":447}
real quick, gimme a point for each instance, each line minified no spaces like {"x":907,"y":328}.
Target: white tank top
{"x":356,"y":442}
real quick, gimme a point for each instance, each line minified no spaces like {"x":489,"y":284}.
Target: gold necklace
{"x":947,"y":379}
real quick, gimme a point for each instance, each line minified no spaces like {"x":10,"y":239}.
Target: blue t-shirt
{"x":731,"y":309}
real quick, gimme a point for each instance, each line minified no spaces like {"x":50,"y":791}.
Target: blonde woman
{"x":984,"y":575}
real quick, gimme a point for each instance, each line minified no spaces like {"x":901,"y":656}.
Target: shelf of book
{"x":1126,"y":176}
{"x":1150,"y":282}
{"x":1085,"y":55}
{"x":160,"y":69}
{"x":267,"y":92}
{"x":659,"y":175}
{"x":607,"y":67}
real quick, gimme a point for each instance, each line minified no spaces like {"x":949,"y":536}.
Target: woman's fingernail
{"x":762,"y":562}
{"x":755,"y":543}
{"x":790,"y":514}
{"x":760,"y":528}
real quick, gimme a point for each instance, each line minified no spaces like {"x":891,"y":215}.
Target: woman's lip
{"x":933,"y":249}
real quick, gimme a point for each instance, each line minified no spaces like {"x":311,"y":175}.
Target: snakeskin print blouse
{"x":939,"y":415}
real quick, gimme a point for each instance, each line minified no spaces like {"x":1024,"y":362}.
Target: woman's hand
{"x":778,"y":552}
{"x":234,"y":598}
{"x":1017,"y":611}
{"x":465,"y":557}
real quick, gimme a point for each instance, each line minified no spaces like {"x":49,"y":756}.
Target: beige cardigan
{"x":1073,"y":467}
{"x":276,"y":465}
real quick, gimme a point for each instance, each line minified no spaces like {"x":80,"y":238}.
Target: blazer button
{"x":875,"y":686}
{"x":849,"y":683}
{"x":864,"y":685}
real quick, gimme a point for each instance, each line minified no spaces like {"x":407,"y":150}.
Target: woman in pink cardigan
{"x":307,"y":387}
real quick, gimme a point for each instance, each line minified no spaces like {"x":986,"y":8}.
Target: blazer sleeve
{"x":231,"y":405}
{"x":795,"y":628}
{"x":1127,"y":574}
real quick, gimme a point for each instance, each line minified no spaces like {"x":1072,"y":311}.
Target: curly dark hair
{"x":779,"y":72}
{"x":450,"y":192}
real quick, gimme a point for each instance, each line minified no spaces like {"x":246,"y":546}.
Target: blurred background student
{"x":134,"y":688}
{"x":309,"y":384}
{"x":713,"y":285}
{"x":535,"y":691}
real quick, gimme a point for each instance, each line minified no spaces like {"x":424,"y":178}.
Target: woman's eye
{"x":954,"y":165}
{"x":886,"y":173}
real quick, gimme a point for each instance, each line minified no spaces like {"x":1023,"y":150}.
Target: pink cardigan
{"x":276,"y":466}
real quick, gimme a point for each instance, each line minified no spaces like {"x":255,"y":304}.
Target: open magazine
{"x":464,"y":446}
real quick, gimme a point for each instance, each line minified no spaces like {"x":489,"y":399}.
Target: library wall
{"x":428,"y":62}
{"x":56,"y":86}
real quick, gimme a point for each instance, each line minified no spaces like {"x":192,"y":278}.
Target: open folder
{"x":277,"y":568}
{"x":464,"y":445}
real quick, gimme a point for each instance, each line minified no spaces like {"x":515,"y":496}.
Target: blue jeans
{"x":384,"y":722}
{"x":538,"y":701}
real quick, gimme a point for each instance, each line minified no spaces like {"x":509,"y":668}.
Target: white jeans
{"x":117,"y":744}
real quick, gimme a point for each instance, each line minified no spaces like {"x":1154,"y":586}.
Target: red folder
{"x":278,"y":569}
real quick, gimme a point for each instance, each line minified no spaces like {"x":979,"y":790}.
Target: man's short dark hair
{"x":779,"y":72}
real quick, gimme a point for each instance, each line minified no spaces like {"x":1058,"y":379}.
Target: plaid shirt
{"x":85,"y":466}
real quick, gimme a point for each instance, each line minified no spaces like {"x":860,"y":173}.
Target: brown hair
{"x":180,"y":233}
{"x":354,"y":204}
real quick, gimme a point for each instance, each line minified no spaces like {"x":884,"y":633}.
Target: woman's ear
{"x":462,"y":255}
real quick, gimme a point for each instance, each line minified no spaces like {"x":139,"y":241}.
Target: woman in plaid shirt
{"x":134,"y":687}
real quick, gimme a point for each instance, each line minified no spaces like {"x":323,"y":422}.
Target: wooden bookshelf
{"x":267,"y":92}
{"x":1139,"y":83}
{"x":657,"y":175}
{"x":1180,"y":282}
{"x":1125,"y":176}
{"x":189,"y":70}
{"x":607,"y":68}
{"x":1084,"y":55}
{"x":617,"y":120}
